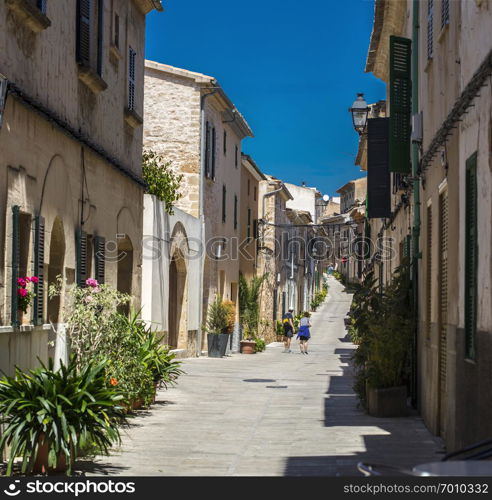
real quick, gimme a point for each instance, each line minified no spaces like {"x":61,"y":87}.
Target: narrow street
{"x":269,"y":414}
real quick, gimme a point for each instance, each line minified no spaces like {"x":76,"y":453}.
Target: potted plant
{"x":48,"y":415}
{"x":383,"y":326}
{"x":249,"y":311}
{"x":216,"y":328}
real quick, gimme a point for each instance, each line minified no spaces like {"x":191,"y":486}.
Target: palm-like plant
{"x":249,"y":307}
{"x":65,"y":409}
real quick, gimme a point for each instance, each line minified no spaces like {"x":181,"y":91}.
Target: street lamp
{"x":359,"y":111}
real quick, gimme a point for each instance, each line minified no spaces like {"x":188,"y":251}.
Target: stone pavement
{"x":268,"y":414}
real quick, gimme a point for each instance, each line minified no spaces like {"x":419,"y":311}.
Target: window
{"x":207,"y":149}
{"x":236,"y":151}
{"x":430,"y":29}
{"x":225,"y":142}
{"x":41,"y":5}
{"x":131,"y":78}
{"x":471,"y":256}
{"x":235,"y":211}
{"x":248,"y":187}
{"x":116,"y":32}
{"x":90,"y":34}
{"x":254,"y":196}
{"x":444,"y":13}
{"x":248,"y":230}
{"x":224,"y":194}
{"x":212,"y":174}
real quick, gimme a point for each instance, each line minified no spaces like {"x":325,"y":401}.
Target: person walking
{"x":288,"y":322}
{"x":304,"y":334}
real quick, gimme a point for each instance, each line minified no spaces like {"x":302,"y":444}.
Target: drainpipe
{"x":202,"y":207}
{"x":416,"y":195}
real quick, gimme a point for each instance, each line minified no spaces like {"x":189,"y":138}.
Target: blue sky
{"x":291,"y":68}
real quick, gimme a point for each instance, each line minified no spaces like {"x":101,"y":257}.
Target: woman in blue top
{"x":304,"y":334}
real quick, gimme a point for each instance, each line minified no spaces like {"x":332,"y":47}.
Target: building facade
{"x":71,"y":143}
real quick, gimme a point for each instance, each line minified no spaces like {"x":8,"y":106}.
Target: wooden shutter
{"x":400,"y":104}
{"x":100,"y":32}
{"x":236,"y":156}
{"x":430,"y":29}
{"x":471,"y":256}
{"x":248,"y":230}
{"x":428,"y":272}
{"x":444,"y":13}
{"x":213,"y":153}
{"x":275,"y":300}
{"x":131,"y":78}
{"x":84,"y":31}
{"x":224,"y":194}
{"x":255,"y":229}
{"x":39,"y":232}
{"x":15,"y":263}
{"x":443,"y":297}
{"x":235,"y":211}
{"x":207,"y":149}
{"x":100,"y":258}
{"x":225,"y":142}
{"x":81,"y":241}
{"x":378,"y":175}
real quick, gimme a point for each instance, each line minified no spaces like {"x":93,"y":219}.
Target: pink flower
{"x":22,"y":292}
{"x":89,"y":299}
{"x":34,"y":279}
{"x":91,"y":282}
{"x":21,"y":282}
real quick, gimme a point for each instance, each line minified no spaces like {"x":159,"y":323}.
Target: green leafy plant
{"x":260,"y":345}
{"x":279,"y":328}
{"x":231,"y":314}
{"x":318,"y":298}
{"x":217,"y":317}
{"x":66,"y":408}
{"x":162,"y":181}
{"x":249,"y":307}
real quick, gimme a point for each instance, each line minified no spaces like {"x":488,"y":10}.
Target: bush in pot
{"x":216,"y":328}
{"x":249,"y":310}
{"x":58,"y":412}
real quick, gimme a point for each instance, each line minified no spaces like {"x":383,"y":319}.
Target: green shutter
{"x":81,"y":241}
{"x":15,"y":263}
{"x":100,"y":258}
{"x":38,"y":310}
{"x":400,"y":104}
{"x":471,"y":256}
{"x":407,"y":246}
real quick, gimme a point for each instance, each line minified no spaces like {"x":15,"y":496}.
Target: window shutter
{"x":471,"y":256}
{"x":235,"y":156}
{"x":81,"y":240}
{"x":84,"y":31}
{"x":213,"y":152}
{"x":38,"y":312}
{"x":407,"y":246}
{"x":100,"y":258}
{"x":400,"y":104}
{"x":225,"y":142}
{"x":207,"y":149}
{"x":255,"y":229}
{"x":430,"y":29}
{"x":378,"y":175}
{"x":444,"y":13}
{"x":117,"y":31}
{"x":224,"y":194}
{"x":100,"y":32}
{"x":15,"y":263}
{"x":235,"y":211}
{"x":131,"y":79}
{"x":249,"y":224}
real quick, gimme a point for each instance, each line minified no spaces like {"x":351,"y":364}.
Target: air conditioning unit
{"x":417,"y":128}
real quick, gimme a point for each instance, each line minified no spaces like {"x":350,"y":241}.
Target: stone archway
{"x":125,"y":270}
{"x":55,"y":267}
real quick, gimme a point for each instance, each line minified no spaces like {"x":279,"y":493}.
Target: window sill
{"x":29,"y":15}
{"x":114,"y":52}
{"x":443,"y":32}
{"x":428,"y":65}
{"x":91,"y":79}
{"x":132,"y":118}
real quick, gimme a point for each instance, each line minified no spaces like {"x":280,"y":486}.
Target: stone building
{"x":441,"y":200}
{"x":251,"y":176}
{"x":71,"y":102}
{"x":191,"y":122}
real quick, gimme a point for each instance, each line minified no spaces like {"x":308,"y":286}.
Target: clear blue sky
{"x":291,"y":68}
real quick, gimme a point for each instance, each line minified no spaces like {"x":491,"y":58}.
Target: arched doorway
{"x":177,"y":301}
{"x":55,"y":267}
{"x":125,"y":270}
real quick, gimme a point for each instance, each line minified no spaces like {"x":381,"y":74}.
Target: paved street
{"x":269,"y":414}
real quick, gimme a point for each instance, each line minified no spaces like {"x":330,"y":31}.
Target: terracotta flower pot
{"x":41,"y":463}
{"x":248,"y":347}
